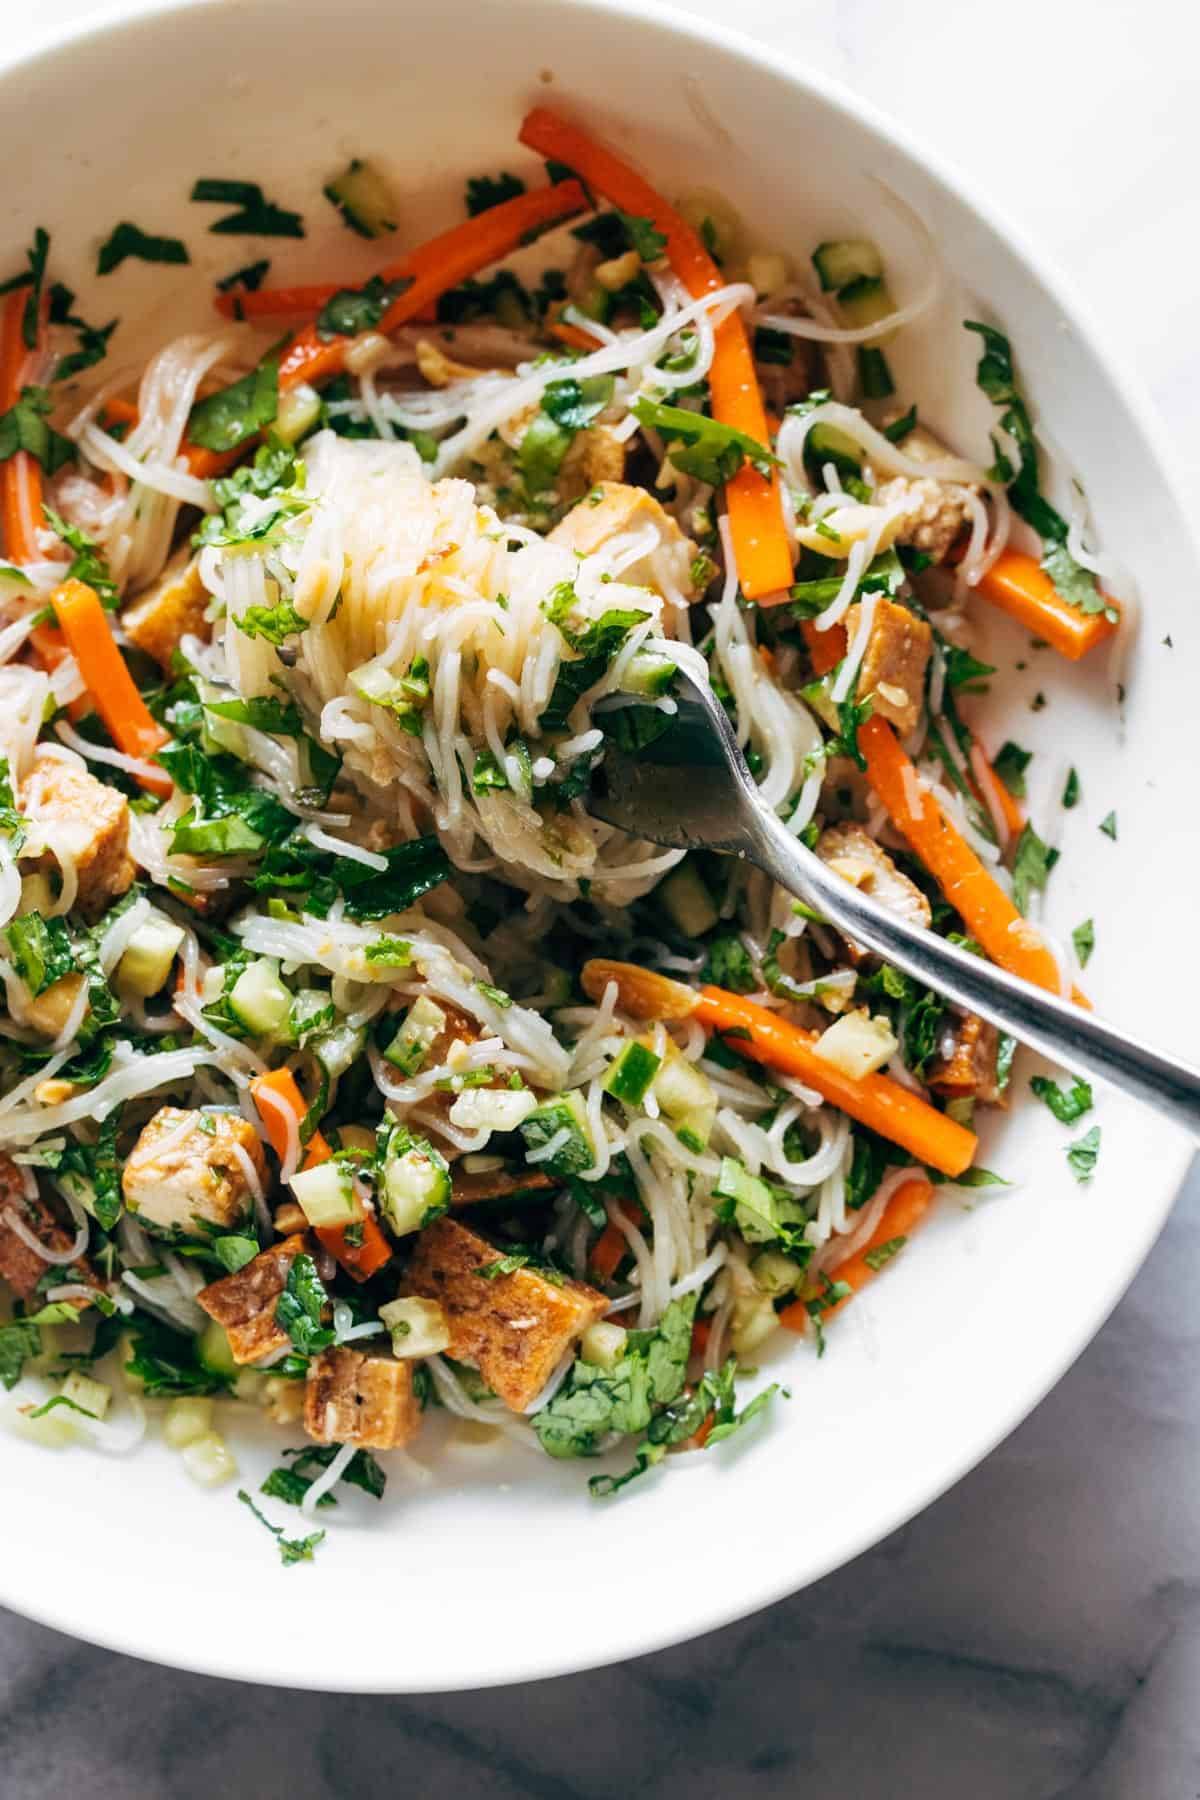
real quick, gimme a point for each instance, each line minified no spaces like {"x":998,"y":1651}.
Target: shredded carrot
{"x":20,"y":475}
{"x":611,"y":1247}
{"x":893,"y":1111}
{"x":1019,"y":586}
{"x":904,"y":1210}
{"x":360,"y":1260}
{"x":761,"y":549}
{"x":111,"y":688}
{"x":983,"y":905}
{"x":435,"y":267}
{"x":825,"y":648}
{"x":573,"y":335}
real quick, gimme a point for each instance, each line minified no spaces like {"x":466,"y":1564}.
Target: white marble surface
{"x":1035,"y":1634}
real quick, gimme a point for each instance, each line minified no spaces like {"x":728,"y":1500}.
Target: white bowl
{"x":501,"y":1568}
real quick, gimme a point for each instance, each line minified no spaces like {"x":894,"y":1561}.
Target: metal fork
{"x":690,"y":789}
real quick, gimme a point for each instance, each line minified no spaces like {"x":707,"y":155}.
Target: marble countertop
{"x":1036,"y":1633}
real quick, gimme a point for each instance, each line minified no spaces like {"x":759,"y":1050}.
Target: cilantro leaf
{"x":1032,"y":864}
{"x":32,"y":278}
{"x":729,"y":965}
{"x":354,"y":310}
{"x":596,"y":646}
{"x":574,"y":404}
{"x":18,"y":1342}
{"x":24,"y":427}
{"x":291,"y":1550}
{"x":1108,"y":826}
{"x":250,"y":278}
{"x":1010,"y":764}
{"x":41,"y":950}
{"x":256,"y":216}
{"x":964,"y":670}
{"x":1071,"y":790}
{"x":644,"y":235}
{"x":700,"y":446}
{"x":594,"y":1401}
{"x":1067,"y":1104}
{"x":88,"y":564}
{"x":126,"y":240}
{"x":240,"y":411}
{"x":298,"y":1308}
{"x":1084,"y":939}
{"x":1083,"y":1155}
{"x":485,"y":191}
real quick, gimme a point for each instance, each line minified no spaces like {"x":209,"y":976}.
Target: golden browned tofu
{"x":194,"y":1168}
{"x":20,"y":1265}
{"x":966,"y":1068}
{"x":892,"y":672}
{"x":51,"y":1010}
{"x":351,"y":1397}
{"x":469,"y":1186}
{"x":611,"y":509}
{"x":858,"y":859}
{"x":515,"y":1329}
{"x":937,"y":512}
{"x":245,"y":1303}
{"x":161,"y":617}
{"x":85,"y":822}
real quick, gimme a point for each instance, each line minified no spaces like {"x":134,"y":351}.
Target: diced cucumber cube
{"x":326,"y":1196}
{"x":564,"y":1113}
{"x":411,"y":1045}
{"x":630,"y":1076}
{"x":260,"y":1000}
{"x":843,"y":261}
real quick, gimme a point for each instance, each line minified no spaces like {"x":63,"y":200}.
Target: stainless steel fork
{"x":690,"y":789}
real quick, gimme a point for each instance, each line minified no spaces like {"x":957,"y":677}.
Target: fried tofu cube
{"x":245,"y":1303}
{"x":49,"y":1012}
{"x":20,"y":1265}
{"x":858,"y":859}
{"x":515,"y":1329}
{"x":966,"y":1069}
{"x":85,"y":823}
{"x":613,"y":510}
{"x":192,"y":1169}
{"x":159,"y":619}
{"x":892,"y":672}
{"x":351,"y":1397}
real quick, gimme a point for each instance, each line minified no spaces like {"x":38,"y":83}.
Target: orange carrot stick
{"x":761,"y":550}
{"x":825,"y":648}
{"x":435,"y":267}
{"x":277,"y":1089}
{"x":905,"y":1208}
{"x":983,"y":905}
{"x":1019,"y":586}
{"x":20,"y":475}
{"x":573,"y":335}
{"x":106,"y":677}
{"x":893,"y":1111}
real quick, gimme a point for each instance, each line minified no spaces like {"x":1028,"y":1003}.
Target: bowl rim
{"x":701,"y":1614}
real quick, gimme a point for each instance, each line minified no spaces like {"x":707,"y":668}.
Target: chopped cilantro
{"x":256,"y":216}
{"x":1084,"y":939}
{"x":126,"y":240}
{"x":1072,"y":790}
{"x":291,"y":1550}
{"x":227,"y":418}
{"x":1010,"y":764}
{"x":1084,"y":1154}
{"x":1109,"y":826}
{"x":1067,"y":1104}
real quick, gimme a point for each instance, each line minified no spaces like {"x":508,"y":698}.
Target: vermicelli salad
{"x":351,"y":1069}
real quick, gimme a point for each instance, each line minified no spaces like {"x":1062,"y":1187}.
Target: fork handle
{"x":1060,"y":1030}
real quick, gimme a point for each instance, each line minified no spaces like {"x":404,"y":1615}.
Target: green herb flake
{"x":233,"y":414}
{"x":1108,"y":826}
{"x":883,"y":1253}
{"x":1084,"y":939}
{"x":291,"y":1550}
{"x":1071,"y":790}
{"x":255,"y":215}
{"x":126,"y":240}
{"x":1083,"y":1155}
{"x":1010,"y":764}
{"x":1067,"y":1104}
